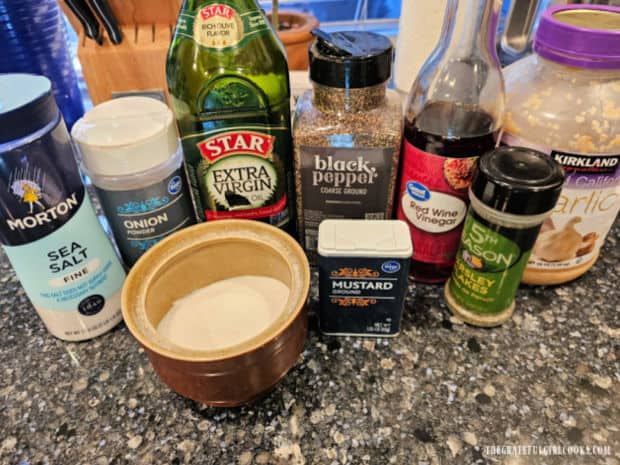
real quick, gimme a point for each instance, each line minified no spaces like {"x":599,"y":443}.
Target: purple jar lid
{"x":584,"y":36}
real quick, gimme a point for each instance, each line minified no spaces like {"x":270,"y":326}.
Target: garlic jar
{"x":565,"y":101}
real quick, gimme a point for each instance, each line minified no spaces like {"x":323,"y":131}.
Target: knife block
{"x":138,"y":63}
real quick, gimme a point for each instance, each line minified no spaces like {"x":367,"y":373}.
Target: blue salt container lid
{"x":26,"y":105}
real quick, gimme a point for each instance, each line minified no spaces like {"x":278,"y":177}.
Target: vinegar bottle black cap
{"x":518,"y":180}
{"x":350,"y":59}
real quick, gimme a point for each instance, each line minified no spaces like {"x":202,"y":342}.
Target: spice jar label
{"x":433,"y":196}
{"x":51,"y":235}
{"x":74,"y":263}
{"x":239,"y":173}
{"x":343,"y":183}
{"x":362,"y":295}
{"x":150,"y":214}
{"x":72,"y":275}
{"x":488,"y":267}
{"x":590,"y":200}
{"x":218,"y":26}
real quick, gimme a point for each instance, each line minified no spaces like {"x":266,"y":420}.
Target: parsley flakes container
{"x":363,"y":276}
{"x":513,"y":191}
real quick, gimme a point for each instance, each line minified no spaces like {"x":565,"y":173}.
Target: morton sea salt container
{"x":48,"y":227}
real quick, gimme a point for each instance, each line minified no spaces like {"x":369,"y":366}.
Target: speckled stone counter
{"x":440,"y":393}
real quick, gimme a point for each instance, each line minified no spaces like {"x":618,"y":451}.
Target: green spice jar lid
{"x":350,"y":59}
{"x":518,"y":180}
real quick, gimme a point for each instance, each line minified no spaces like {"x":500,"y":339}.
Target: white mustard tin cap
{"x":364,"y":238}
{"x":125,"y":136}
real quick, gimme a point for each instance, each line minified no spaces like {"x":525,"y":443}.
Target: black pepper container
{"x":347,"y":133}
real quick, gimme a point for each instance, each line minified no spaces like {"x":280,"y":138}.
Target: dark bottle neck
{"x":462,"y":76}
{"x":470,"y":29}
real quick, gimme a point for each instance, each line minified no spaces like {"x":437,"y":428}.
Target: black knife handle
{"x":105,"y":14}
{"x":88,"y":21}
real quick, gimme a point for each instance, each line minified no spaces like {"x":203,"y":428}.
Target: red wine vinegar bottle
{"x":454,"y":112}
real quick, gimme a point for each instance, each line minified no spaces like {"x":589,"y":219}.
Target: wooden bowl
{"x":196,"y":257}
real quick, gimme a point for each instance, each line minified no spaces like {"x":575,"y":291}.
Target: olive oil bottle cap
{"x":350,"y":59}
{"x":127,"y":135}
{"x":518,"y":180}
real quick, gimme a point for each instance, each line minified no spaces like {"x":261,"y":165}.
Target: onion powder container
{"x":130,"y":150}
{"x":363,"y":276}
{"x":48,"y":227}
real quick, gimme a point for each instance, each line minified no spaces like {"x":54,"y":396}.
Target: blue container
{"x":35,"y":41}
{"x":48,"y":227}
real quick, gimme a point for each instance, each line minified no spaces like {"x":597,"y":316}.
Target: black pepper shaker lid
{"x":518,"y":180}
{"x":350,"y":59}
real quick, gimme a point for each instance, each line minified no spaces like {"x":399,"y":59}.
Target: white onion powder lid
{"x":125,"y":136}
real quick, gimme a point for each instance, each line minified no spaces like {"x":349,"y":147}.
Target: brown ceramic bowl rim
{"x":140,"y":277}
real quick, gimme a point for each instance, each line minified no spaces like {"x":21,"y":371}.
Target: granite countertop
{"x":440,"y":393}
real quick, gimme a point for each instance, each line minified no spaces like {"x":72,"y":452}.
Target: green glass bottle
{"x":228,"y":82}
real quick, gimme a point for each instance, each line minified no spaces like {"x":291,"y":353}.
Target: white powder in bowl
{"x":224,"y":313}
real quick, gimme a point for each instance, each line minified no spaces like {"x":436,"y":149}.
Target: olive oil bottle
{"x":228,"y":82}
